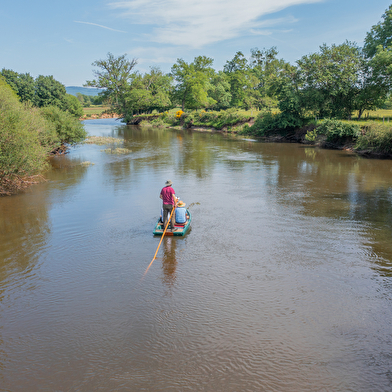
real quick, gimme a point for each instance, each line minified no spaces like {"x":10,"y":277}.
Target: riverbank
{"x":28,"y":135}
{"x":371,"y":139}
{"x":98,"y":116}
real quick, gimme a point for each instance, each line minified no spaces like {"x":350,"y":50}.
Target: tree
{"x":236,"y":69}
{"x":380,"y":35}
{"x":22,"y":84}
{"x":160,"y":87}
{"x":331,"y":80}
{"x":192,"y":82}
{"x":148,"y":92}
{"x":49,"y":92}
{"x":73,"y":105}
{"x":265,"y":66}
{"x":85,"y":100}
{"x":219,"y":91}
{"x":378,"y":51}
{"x":114,"y":76}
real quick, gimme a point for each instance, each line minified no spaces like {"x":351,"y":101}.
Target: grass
{"x":102,"y":140}
{"x":117,"y":151}
{"x":378,"y":114}
{"x":96,"y":109}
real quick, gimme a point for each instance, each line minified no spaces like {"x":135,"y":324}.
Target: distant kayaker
{"x":169,"y":201}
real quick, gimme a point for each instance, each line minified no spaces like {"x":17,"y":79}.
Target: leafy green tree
{"x":237,"y":71}
{"x":96,"y":100}
{"x":85,"y":100}
{"x":192,"y":82}
{"x":73,"y":105}
{"x":250,"y":79}
{"x":69,"y":129}
{"x":114,"y":75}
{"x":148,"y":92}
{"x":378,"y":51}
{"x":22,"y":84}
{"x":49,"y":92}
{"x":265,"y":67}
{"x":330,"y":80}
{"x":219,"y":91}
{"x":380,"y":36}
{"x":160,"y":87}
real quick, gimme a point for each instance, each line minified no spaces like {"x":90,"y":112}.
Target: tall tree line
{"x":42,"y":91}
{"x":333,"y":82}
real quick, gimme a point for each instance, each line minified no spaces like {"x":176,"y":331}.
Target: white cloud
{"x":98,"y":25}
{"x":197,"y":23}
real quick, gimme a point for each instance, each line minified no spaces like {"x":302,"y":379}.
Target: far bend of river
{"x":284,"y":282}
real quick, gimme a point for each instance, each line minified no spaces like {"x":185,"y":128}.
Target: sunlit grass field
{"x":378,"y":114}
{"x":96,"y":109}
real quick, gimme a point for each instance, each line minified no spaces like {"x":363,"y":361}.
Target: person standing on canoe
{"x":169,"y":201}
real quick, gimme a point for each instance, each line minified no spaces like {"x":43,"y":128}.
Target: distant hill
{"x":74,"y":90}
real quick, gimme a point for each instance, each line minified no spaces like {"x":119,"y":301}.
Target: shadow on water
{"x":24,"y":219}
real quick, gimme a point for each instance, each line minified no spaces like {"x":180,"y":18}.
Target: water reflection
{"x":169,"y":261}
{"x":24,"y":228}
{"x":25,"y":224}
{"x":321,"y":183}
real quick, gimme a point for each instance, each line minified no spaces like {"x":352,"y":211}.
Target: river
{"x":284,"y":282}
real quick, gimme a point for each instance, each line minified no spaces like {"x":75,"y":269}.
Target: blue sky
{"x":63,"y":38}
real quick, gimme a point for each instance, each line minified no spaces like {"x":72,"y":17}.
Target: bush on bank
{"x":211,"y":119}
{"x":274,"y":123}
{"x":214,"y":119}
{"x":335,"y":131}
{"x":371,"y":136}
{"x":376,"y":137}
{"x":27,"y":135}
{"x":25,"y":138}
{"x":69,"y":129}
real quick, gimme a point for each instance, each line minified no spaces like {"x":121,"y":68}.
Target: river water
{"x":284,"y":282}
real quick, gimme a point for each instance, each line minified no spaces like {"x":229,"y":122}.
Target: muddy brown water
{"x":284,"y":282}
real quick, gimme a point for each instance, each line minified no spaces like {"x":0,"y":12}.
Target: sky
{"x":64,"y":37}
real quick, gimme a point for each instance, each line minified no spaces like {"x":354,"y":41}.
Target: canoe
{"x":183,"y":227}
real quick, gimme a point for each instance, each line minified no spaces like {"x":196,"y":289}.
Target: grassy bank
{"x":226,"y":120}
{"x":367,"y":137}
{"x":372,"y":135}
{"x":95,"y":111}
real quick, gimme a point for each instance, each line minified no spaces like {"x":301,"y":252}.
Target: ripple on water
{"x":282,"y":284}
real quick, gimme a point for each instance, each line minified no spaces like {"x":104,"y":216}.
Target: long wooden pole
{"x":163,"y":234}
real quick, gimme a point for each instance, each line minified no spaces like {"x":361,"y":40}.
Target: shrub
{"x":25,"y":137}
{"x":214,"y":119}
{"x":68,"y":128}
{"x":158,"y":122}
{"x":281,"y":123}
{"x":338,"y":131}
{"x":376,"y":137}
{"x":311,"y":135}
